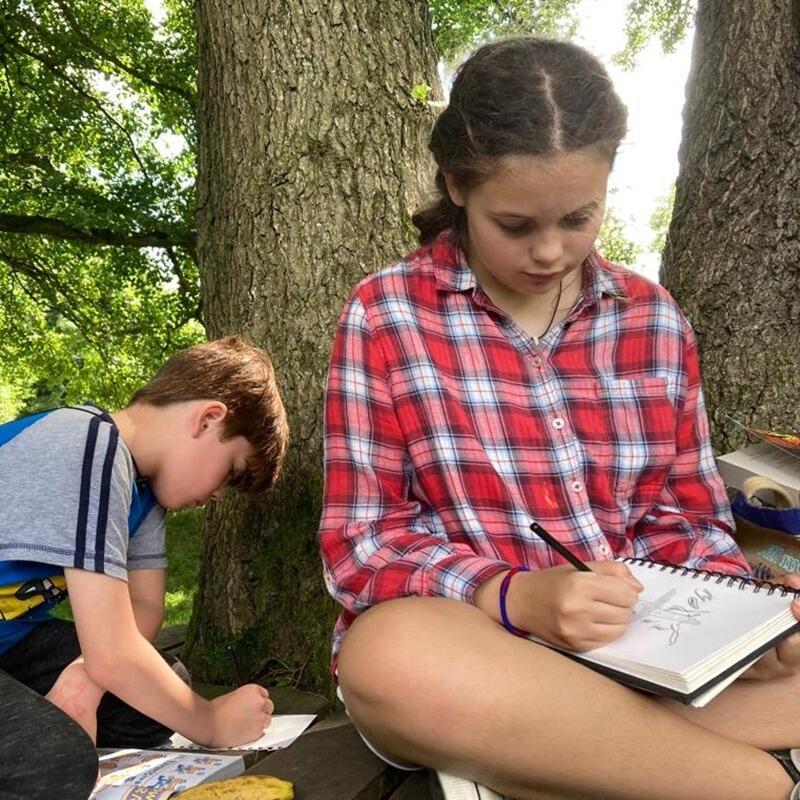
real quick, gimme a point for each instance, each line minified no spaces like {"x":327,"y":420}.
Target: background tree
{"x":311,"y":150}
{"x":308,"y":170}
{"x":666,"y":20}
{"x":733,"y":254}
{"x":614,"y":245}
{"x":97,"y":275}
{"x":660,"y":219}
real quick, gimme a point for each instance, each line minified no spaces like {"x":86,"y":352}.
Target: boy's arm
{"x":146,"y":588}
{"x":120,"y":660}
{"x":74,"y":692}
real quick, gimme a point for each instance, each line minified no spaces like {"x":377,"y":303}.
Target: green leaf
{"x":459,"y":25}
{"x":421,"y":92}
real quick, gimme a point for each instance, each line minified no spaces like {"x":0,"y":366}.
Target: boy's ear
{"x":456,"y":195}
{"x":209,"y":414}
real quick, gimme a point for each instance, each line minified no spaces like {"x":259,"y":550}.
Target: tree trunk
{"x":733,"y":254}
{"x":311,"y":156}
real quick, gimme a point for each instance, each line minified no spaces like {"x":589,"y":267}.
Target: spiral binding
{"x":721,"y":577}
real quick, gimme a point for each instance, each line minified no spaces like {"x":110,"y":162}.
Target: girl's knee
{"x":391,"y":648}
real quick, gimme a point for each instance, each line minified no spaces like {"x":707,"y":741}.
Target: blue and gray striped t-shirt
{"x":69,"y":497}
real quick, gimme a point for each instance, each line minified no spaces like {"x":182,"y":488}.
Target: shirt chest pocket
{"x":628,"y":428}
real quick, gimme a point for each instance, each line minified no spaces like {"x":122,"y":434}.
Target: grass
{"x":184,"y":533}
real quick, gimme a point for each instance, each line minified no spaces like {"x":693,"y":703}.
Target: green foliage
{"x":14,"y":392}
{"x":184,"y":535}
{"x":421,"y":92}
{"x":669,"y":20}
{"x":92,"y":324}
{"x":96,"y":161}
{"x":459,"y":25}
{"x":660,"y":220}
{"x":613,"y":244}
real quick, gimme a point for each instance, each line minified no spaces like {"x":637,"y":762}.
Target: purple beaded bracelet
{"x":503,"y":592}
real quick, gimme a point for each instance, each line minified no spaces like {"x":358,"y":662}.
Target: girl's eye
{"x":576,"y":222}
{"x":514,"y":230}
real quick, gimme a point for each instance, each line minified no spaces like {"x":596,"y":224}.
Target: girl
{"x":505,"y":373}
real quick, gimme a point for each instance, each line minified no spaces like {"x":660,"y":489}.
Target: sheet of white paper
{"x":283,"y":730}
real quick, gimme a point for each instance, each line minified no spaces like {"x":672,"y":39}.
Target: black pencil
{"x":558,"y":547}
{"x":237,"y":676}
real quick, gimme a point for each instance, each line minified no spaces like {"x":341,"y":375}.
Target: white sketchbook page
{"x":680,"y":621}
{"x":283,"y":730}
{"x":704,"y":699}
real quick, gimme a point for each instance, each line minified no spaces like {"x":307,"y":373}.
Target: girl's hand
{"x":241,"y":716}
{"x":784,"y":660}
{"x":572,"y":609}
{"x":78,"y":696}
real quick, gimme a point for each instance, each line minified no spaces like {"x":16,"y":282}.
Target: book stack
{"x":764,"y":458}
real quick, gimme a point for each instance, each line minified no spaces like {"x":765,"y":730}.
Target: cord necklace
{"x":553,"y":316}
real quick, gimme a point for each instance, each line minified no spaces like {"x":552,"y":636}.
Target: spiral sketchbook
{"x":693,"y":632}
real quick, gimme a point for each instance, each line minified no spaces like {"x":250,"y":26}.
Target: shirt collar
{"x":450,"y":267}
{"x":453,"y":273}
{"x":601,"y":279}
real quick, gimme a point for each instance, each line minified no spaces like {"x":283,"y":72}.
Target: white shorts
{"x":392,"y":762}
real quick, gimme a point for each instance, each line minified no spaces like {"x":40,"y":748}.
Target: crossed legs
{"x":436,"y":682}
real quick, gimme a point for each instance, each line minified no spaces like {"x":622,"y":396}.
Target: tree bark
{"x":732,"y":258}
{"x":311,"y":155}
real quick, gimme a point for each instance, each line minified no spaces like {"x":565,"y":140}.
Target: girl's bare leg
{"x":436,"y":682}
{"x":762,"y":713}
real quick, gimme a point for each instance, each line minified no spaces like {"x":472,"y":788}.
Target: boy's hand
{"x":240,"y":716}
{"x":784,"y":660}
{"x":572,"y":609}
{"x":78,"y":696}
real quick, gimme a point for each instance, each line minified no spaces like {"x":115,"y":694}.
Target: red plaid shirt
{"x":449,"y":429}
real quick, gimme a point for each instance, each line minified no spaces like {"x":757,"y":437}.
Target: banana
{"x":246,"y":787}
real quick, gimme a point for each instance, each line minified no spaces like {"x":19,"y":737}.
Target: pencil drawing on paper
{"x":662,"y":614}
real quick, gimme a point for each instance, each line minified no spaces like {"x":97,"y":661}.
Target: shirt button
{"x":605,"y":549}
{"x":558,"y":423}
{"x":576,"y":486}
{"x":537,"y":361}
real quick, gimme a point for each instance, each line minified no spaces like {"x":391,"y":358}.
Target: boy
{"x":83,"y":495}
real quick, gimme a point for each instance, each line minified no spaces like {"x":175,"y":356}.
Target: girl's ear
{"x":456,"y":195}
